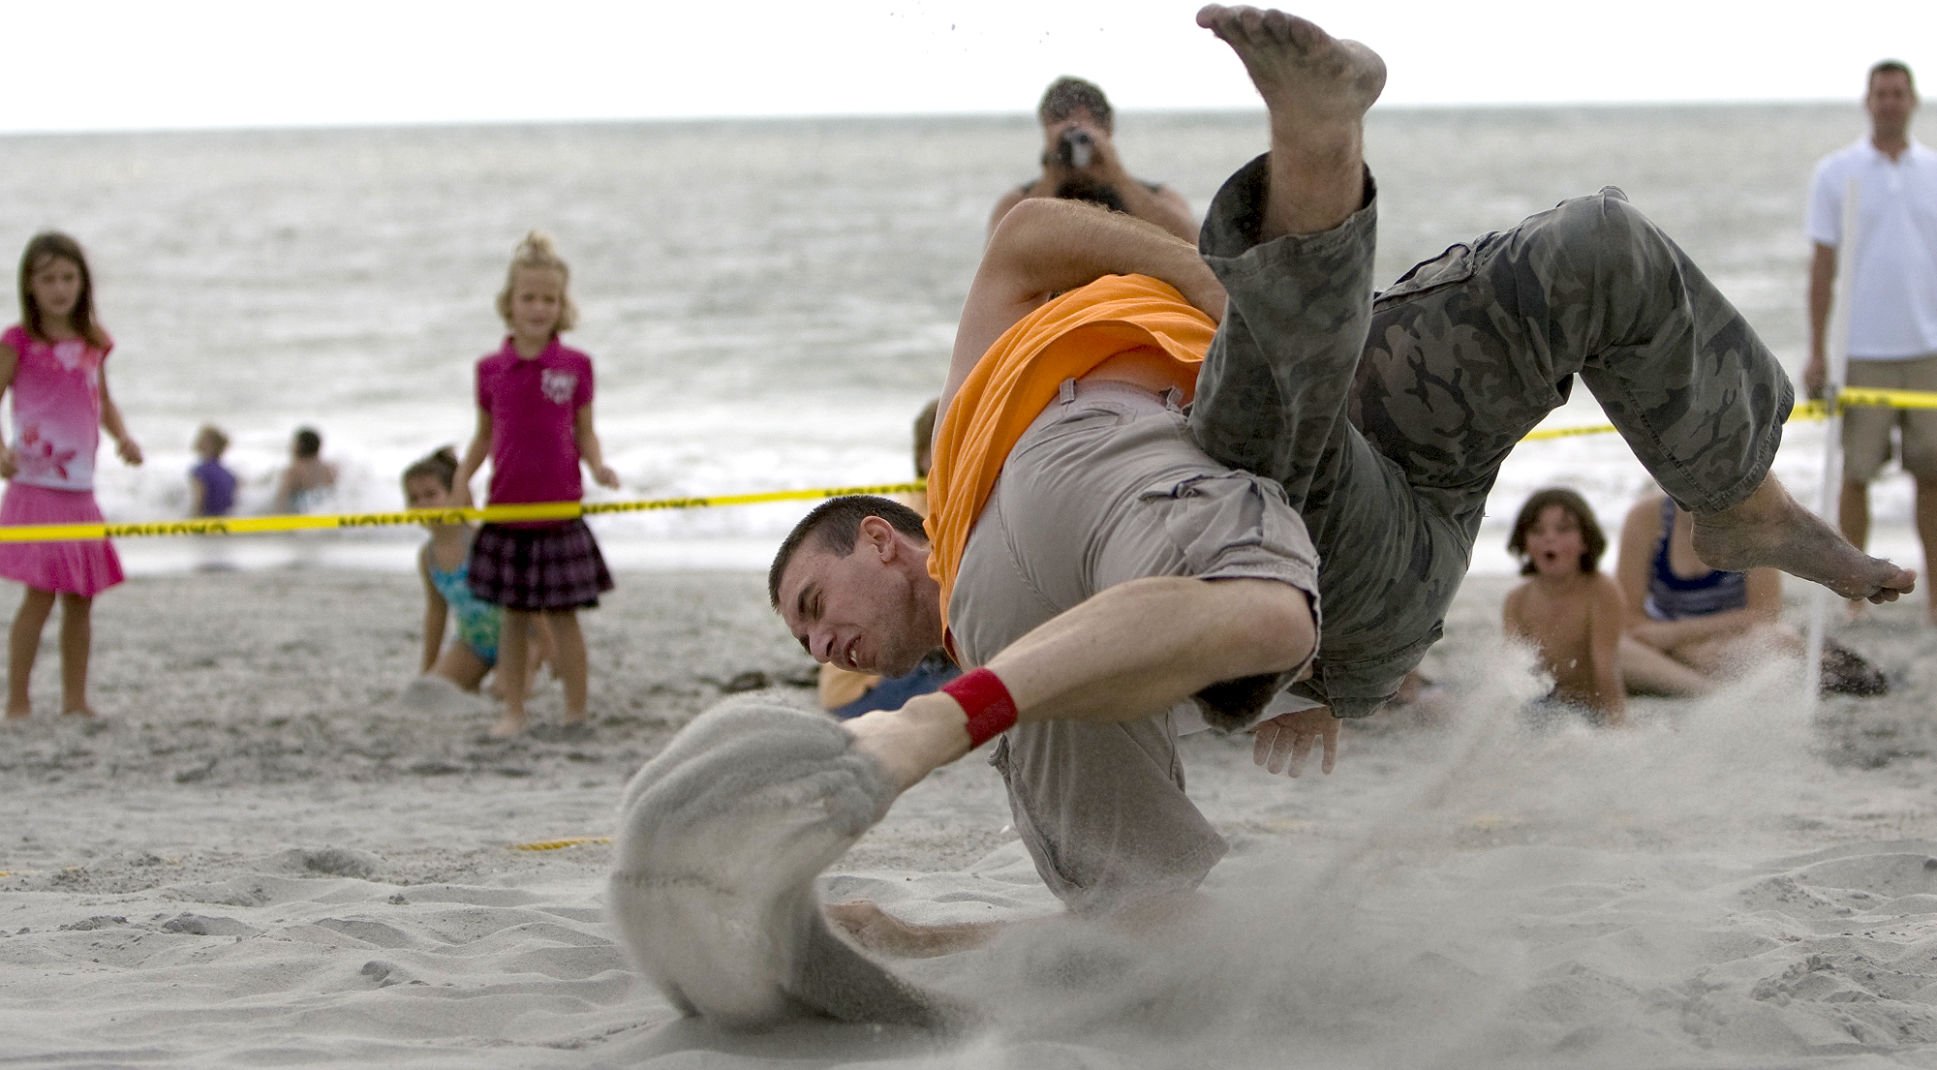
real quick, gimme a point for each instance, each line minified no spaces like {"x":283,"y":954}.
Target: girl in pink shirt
{"x":534,"y":400}
{"x":55,"y":362}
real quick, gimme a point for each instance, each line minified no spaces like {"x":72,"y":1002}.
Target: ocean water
{"x":767,"y":303}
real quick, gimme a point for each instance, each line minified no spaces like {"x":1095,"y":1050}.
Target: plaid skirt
{"x":536,"y":568}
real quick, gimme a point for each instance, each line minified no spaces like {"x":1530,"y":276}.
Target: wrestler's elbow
{"x":1030,"y":213}
{"x":1276,"y":632}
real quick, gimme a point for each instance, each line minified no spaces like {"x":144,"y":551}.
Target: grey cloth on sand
{"x":720,"y":839}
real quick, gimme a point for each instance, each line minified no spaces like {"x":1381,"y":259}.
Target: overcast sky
{"x":136,"y":64}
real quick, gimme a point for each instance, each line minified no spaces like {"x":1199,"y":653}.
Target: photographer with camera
{"x":1079,"y":162}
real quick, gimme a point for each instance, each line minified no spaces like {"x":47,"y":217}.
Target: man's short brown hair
{"x":1066,"y":95}
{"x":836,"y":525}
{"x":1891,"y":66}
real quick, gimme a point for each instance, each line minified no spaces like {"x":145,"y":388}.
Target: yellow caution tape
{"x":255,"y":525}
{"x":1865,"y":397}
{"x":1849,"y":397}
{"x":554,"y":845}
{"x":1809,"y":410}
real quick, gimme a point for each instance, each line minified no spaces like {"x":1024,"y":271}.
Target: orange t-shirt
{"x":1020,"y":375}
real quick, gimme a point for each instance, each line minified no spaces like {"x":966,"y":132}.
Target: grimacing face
{"x":860,"y":611}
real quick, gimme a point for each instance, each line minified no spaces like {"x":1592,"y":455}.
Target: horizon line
{"x":345,"y":124}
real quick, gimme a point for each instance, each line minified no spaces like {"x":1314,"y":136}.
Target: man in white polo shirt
{"x":1893,"y":298}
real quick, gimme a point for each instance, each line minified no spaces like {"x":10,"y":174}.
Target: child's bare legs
{"x":513,"y":650}
{"x":77,"y":641}
{"x":23,"y":647}
{"x":460,"y":665}
{"x":543,"y":650}
{"x":569,"y":661}
{"x":1648,"y":671}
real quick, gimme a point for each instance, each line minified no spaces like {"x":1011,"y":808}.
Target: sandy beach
{"x":258,"y":856}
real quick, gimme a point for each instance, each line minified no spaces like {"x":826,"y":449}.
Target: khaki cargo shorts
{"x":1867,"y":441}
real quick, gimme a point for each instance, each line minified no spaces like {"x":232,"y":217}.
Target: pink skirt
{"x":76,"y":566}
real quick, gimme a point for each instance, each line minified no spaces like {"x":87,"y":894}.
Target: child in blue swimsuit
{"x":1690,"y":628}
{"x":442,"y":564}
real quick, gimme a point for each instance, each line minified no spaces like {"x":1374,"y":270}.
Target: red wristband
{"x":990,"y":710}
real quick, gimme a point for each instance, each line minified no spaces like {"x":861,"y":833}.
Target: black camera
{"x":1074,"y":149}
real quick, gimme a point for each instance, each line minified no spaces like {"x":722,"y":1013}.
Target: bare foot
{"x":509,"y":724}
{"x":1317,"y":90}
{"x":78,"y":711}
{"x":1770,"y":529}
{"x":1306,"y":76}
{"x":19,"y":713}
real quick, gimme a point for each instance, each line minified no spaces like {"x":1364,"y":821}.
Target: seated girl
{"x":1689,"y":627}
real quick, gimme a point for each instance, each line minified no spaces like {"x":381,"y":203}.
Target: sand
{"x":258,"y":857}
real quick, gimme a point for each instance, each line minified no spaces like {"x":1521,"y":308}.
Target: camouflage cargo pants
{"x":1387,"y":419}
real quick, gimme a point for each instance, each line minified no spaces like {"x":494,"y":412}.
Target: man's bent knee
{"x":1602,"y":222}
{"x":1596,"y":226}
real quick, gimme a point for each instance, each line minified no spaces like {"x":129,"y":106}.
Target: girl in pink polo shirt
{"x":55,"y":362}
{"x":535,"y":423}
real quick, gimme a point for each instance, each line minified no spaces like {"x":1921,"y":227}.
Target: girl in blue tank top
{"x":1674,"y":596}
{"x":1690,"y":627}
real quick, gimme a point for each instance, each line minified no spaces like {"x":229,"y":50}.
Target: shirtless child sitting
{"x":1567,"y":607}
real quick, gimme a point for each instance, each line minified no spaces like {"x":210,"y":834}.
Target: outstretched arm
{"x":1045,"y":246}
{"x":1101,"y":661}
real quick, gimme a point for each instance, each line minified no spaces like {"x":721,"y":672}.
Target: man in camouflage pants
{"x":1334,"y":466}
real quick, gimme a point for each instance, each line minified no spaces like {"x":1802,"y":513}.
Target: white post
{"x":1837,"y":342}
